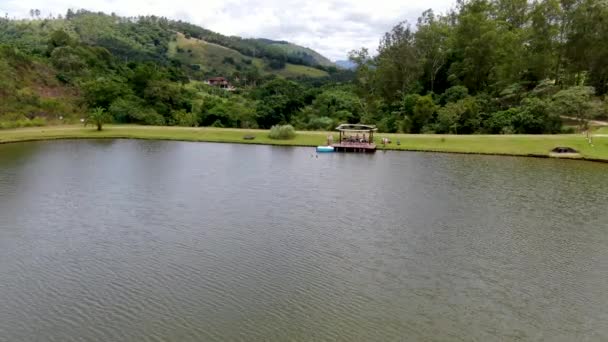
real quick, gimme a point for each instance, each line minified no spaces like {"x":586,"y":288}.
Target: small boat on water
{"x":325,"y":149}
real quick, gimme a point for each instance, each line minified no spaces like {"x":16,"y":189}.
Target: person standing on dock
{"x":330,"y":140}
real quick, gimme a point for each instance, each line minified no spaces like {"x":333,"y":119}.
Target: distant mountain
{"x":346,"y":64}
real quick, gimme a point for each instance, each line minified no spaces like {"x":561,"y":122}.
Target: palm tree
{"x":98,"y":117}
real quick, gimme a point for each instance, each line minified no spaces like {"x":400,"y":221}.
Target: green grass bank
{"x":517,"y":145}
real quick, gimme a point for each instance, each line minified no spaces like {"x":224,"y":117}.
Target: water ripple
{"x":206,"y":242}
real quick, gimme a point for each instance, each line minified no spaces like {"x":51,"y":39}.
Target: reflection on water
{"x":168,"y":241}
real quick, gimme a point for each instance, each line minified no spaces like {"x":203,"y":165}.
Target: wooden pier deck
{"x":354,"y":147}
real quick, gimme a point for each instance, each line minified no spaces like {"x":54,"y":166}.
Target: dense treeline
{"x":486,"y":67}
{"x":494,"y":66}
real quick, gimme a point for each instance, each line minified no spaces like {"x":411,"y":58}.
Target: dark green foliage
{"x":454,"y":94}
{"x":422,"y":113}
{"x":460,"y":117}
{"x":499,"y":63}
{"x":58,"y":39}
{"x":279,"y":100}
{"x":101,"y":92}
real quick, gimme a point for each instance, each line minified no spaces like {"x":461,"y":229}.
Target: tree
{"x":574,"y":102}
{"x":423,"y":112}
{"x":279,"y":100}
{"x":543,"y":33}
{"x":102,"y":91}
{"x":587,"y":45}
{"x":432,"y":43}
{"x":453,"y":94}
{"x":98,"y":117}
{"x":475,"y":41}
{"x":58,"y":38}
{"x":365,"y":74}
{"x":340,"y":104}
{"x":461,"y":117}
{"x":398,"y":65}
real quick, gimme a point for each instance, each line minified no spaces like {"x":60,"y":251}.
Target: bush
{"x":568,"y":130}
{"x":454,"y":94}
{"x":423,"y":111}
{"x":183,"y":118}
{"x":501,"y":122}
{"x":35,"y":122}
{"x":283,"y":132}
{"x":320,"y":123}
{"x":127,"y":109}
{"x":148,"y":116}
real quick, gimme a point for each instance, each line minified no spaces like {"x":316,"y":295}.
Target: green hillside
{"x":140,"y":70}
{"x":209,"y":59}
{"x":297,"y":71}
{"x":31,"y":92}
{"x":308,"y":56}
{"x":279,"y":52}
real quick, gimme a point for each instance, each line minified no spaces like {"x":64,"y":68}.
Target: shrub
{"x":422,"y":112}
{"x":151,"y":117}
{"x":148,"y":116}
{"x":183,"y":118}
{"x":320,"y":123}
{"x":283,"y":132}
{"x":568,"y":130}
{"x":501,"y":122}
{"x":24,"y":122}
{"x":454,"y":94}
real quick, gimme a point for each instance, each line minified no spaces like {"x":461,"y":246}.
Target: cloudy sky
{"x":332,"y":27}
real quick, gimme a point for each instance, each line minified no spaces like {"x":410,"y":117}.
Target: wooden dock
{"x":355,"y":138}
{"x":355,"y":147}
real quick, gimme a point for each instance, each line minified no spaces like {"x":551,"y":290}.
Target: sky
{"x":331,"y":27}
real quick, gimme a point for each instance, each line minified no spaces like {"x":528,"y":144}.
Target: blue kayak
{"x":325,"y":149}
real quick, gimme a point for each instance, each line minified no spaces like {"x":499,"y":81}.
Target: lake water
{"x":170,"y":241}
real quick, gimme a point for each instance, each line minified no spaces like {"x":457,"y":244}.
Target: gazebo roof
{"x":356,"y":128}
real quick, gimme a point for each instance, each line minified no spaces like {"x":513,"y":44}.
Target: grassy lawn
{"x":602,"y":130}
{"x":486,"y":144}
{"x":292,"y":70}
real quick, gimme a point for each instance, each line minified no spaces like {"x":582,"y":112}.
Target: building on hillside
{"x":220,"y":82}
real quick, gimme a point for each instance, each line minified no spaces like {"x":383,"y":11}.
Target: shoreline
{"x":534,"y":146}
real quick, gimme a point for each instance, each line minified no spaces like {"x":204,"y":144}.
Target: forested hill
{"x":266,"y":48}
{"x":148,"y":38}
{"x":487,"y":66}
{"x":147,"y":70}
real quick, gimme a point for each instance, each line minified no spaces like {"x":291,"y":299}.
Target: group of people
{"x":356,"y":139}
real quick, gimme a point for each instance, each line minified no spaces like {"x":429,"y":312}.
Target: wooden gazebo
{"x":355,"y":138}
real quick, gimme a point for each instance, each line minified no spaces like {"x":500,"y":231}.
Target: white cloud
{"x":331,"y":27}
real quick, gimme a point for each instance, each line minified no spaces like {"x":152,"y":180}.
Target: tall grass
{"x":282,"y":132}
{"x":35,"y":122}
